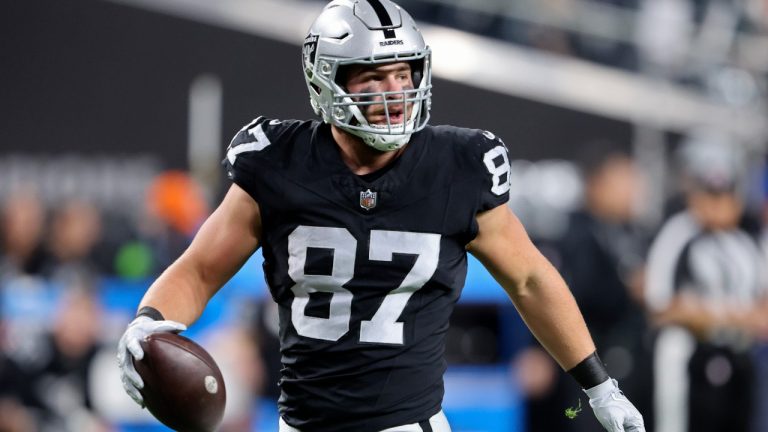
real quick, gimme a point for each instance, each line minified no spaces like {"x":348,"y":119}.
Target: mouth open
{"x":396,"y":117}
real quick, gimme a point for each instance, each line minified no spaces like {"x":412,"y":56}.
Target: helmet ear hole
{"x":342,"y":75}
{"x":417,"y":71}
{"x":416,"y":77}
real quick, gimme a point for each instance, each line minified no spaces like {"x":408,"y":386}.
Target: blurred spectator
{"x":761,"y":408}
{"x":174,"y":208}
{"x":178,"y":199}
{"x":601,"y":256}
{"x":74,"y":234}
{"x":664,"y":30}
{"x":545,"y":390}
{"x":706,"y":288}
{"x":61,"y":382}
{"x":15,"y":394}
{"x":15,"y":418}
{"x":22,"y":225}
{"x":602,"y":259}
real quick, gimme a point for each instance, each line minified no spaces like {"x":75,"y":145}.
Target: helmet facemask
{"x":349,"y":109}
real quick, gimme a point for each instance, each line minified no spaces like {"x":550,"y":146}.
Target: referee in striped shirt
{"x":705,"y":288}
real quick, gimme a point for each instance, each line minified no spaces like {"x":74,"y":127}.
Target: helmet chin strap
{"x":383,"y":142}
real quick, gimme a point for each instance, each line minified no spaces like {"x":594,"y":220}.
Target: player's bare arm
{"x":535,"y":287}
{"x":223,"y":244}
{"x":550,"y":311}
{"x":177,"y":298}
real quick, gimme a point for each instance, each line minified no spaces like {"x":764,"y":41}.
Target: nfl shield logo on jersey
{"x":367,"y":199}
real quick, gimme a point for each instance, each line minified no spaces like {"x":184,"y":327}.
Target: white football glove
{"x":613,"y":410}
{"x":129,"y":345}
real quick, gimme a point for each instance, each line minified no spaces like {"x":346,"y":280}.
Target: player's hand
{"x":613,"y":410}
{"x":129,"y":346}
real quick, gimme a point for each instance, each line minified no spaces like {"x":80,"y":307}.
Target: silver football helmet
{"x":367,"y":32}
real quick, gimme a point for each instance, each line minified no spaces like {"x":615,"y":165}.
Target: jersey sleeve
{"x":251,"y":152}
{"x":493,"y":170}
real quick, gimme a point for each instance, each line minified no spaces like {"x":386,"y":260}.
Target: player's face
{"x":390,"y":77}
{"x":714,"y":210}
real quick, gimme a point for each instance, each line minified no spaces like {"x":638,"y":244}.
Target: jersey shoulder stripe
{"x":250,"y":138}
{"x":262,"y":134}
{"x":264,"y":144}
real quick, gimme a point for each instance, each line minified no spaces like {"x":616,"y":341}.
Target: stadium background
{"x":127,"y":106}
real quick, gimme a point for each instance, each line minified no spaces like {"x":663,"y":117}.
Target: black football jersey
{"x":365,"y":269}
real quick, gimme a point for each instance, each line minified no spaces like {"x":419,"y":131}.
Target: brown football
{"x":183,"y":386}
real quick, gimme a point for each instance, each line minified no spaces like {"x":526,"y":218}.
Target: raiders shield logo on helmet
{"x":367,"y":199}
{"x":308,"y":52}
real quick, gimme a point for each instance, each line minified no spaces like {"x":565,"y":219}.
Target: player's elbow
{"x":541,"y":284}
{"x":522,"y":288}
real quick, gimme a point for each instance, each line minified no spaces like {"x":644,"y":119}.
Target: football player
{"x":364,"y":220}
